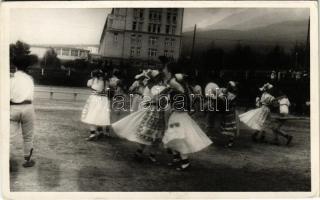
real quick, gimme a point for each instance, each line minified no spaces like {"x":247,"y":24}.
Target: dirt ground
{"x":66,"y":162}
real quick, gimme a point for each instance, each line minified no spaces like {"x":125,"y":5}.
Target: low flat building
{"x":65,"y":52}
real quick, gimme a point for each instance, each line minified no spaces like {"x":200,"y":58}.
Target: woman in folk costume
{"x":230,"y":121}
{"x":258,"y":118}
{"x":147,"y":125}
{"x":183,"y":135}
{"x":96,"y":111}
{"x":136,"y":90}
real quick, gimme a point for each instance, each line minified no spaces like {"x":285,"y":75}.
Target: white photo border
{"x":5,"y":107}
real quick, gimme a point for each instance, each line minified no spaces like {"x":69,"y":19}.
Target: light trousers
{"x":23,"y":116}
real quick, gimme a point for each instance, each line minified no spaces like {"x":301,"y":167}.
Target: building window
{"x":138,"y":51}
{"x":134,"y":25}
{"x":159,"y":30}
{"x":149,"y":27}
{"x":140,"y":26}
{"x":65,"y":52}
{"x":132,"y":51}
{"x":133,"y":38}
{"x":115,"y":37}
{"x":172,"y":41}
{"x":166,"y":53}
{"x":167,"y":42}
{"x":152,"y":40}
{"x":155,"y":14}
{"x":168,"y":17}
{"x":135,"y":13}
{"x":154,"y":28}
{"x":167,"y":29}
{"x":74,"y":52}
{"x":173,"y":30}
{"x":141,"y":13}
{"x":152,"y":52}
{"x":174,"y":19}
{"x":139,"y":40}
{"x":171,"y":53}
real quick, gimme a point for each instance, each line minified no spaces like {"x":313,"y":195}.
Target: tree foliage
{"x":50,"y":60}
{"x":20,"y":55}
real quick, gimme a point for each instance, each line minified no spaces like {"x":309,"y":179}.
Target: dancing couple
{"x":149,"y":127}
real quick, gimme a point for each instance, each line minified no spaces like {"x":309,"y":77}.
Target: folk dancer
{"x":213,"y":119}
{"x":136,"y":90}
{"x":279,"y":121}
{"x":230,"y":121}
{"x":96,"y":111}
{"x":183,"y":135}
{"x":147,"y":125}
{"x":259,"y":118}
{"x":22,"y":112}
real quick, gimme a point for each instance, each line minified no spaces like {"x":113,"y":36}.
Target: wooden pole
{"x":193,"y":42}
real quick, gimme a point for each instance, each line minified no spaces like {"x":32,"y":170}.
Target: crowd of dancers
{"x":162,"y":103}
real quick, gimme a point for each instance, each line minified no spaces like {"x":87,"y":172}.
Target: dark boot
{"x":28,"y":162}
{"x":93,"y":136}
{"x":184,"y":165}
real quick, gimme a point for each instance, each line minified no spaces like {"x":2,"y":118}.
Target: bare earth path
{"x":66,"y":162}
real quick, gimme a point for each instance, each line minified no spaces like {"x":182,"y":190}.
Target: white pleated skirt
{"x":96,"y":111}
{"x":184,"y":134}
{"x":257,"y":118}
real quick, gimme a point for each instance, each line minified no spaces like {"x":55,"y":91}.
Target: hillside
{"x":260,"y":38}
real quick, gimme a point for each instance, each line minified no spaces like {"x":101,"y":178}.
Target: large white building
{"x":141,"y":35}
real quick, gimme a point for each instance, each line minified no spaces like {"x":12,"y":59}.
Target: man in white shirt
{"x":22,"y":110}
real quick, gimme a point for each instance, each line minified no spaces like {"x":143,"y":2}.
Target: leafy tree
{"x":20,"y":55}
{"x":50,"y":60}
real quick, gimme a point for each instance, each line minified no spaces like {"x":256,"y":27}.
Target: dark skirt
{"x":152,"y":126}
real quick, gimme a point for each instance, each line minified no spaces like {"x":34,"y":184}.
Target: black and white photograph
{"x":161,"y":99}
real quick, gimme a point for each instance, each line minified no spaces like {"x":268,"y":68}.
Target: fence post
{"x":51,"y":93}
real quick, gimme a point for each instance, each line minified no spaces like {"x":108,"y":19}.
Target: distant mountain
{"x":260,"y":38}
{"x":247,"y":19}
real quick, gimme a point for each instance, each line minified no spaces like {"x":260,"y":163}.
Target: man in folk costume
{"x":280,"y":119}
{"x":147,"y":125}
{"x":259,"y":119}
{"x":230,"y":120}
{"x":183,"y":135}
{"x":22,"y":112}
{"x":96,"y":112}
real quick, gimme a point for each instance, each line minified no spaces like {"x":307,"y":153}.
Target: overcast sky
{"x":84,"y":26}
